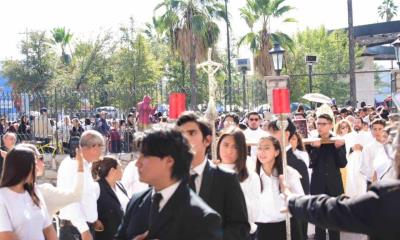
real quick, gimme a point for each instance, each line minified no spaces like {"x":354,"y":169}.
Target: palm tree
{"x":191,"y":29}
{"x":260,"y":12}
{"x":63,"y":38}
{"x":387,"y":10}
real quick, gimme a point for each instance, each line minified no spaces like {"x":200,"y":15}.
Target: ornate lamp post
{"x":277,"y":57}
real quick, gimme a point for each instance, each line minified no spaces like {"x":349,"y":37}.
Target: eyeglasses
{"x":253,"y":119}
{"x":343,"y":127}
{"x":322,"y":124}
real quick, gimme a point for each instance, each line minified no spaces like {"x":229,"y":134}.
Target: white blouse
{"x":271,"y":202}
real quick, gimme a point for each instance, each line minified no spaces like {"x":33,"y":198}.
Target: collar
{"x":288,"y":147}
{"x":199,"y":169}
{"x":227,"y":165}
{"x":167,"y":192}
{"x":264,"y":175}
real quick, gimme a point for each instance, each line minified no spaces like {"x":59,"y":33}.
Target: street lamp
{"x":396,"y":46}
{"x":310,"y":60}
{"x":277,"y":57}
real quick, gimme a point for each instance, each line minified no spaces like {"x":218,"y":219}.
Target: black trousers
{"x":70,"y":232}
{"x":277,"y":231}
{"x":320,"y":234}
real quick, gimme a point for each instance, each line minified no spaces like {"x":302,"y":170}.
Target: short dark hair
{"x":168,"y":142}
{"x":326,"y":116}
{"x":234,"y":116}
{"x":43,"y":110}
{"x":253,"y":113}
{"x":190,"y":116}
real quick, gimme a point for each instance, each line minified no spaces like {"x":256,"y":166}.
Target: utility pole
{"x":353,"y":94}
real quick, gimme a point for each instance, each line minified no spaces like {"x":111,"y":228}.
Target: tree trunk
{"x":192,"y":62}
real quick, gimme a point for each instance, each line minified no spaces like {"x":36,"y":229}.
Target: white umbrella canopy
{"x":317,"y":97}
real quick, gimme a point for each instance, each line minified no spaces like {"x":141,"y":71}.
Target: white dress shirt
{"x":253,"y":136}
{"x":368,"y":155}
{"x":251,"y":188}
{"x":57,"y":198}
{"x":199,"y":169}
{"x":271,"y":202}
{"x":166,"y":194}
{"x":84,"y":211}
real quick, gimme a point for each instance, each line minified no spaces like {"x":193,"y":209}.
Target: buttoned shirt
{"x":85,"y":210}
{"x":271,"y":202}
{"x":166,"y":194}
{"x":199,"y":169}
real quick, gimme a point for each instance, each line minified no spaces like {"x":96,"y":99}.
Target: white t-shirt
{"x":18,"y":214}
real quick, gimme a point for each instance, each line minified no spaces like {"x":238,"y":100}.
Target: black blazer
{"x":109,"y":211}
{"x":301,"y":167}
{"x":376,"y":213}
{"x":221,"y":191}
{"x":326,"y":162}
{"x":185,"y":216}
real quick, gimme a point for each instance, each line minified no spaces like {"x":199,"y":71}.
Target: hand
{"x":339,"y":143}
{"x":98,"y":226}
{"x":79,"y":158}
{"x":86,"y":236}
{"x":316,"y":144}
{"x":3,"y":154}
{"x":141,"y":236}
{"x":285,"y":192}
{"x":357,"y":147}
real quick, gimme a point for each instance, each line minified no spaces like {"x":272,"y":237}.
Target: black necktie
{"x":192,"y":183}
{"x":154,"y":208}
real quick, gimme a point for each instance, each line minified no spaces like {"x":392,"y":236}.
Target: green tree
{"x":259,"y":13}
{"x":62,"y":38}
{"x":331,"y":48}
{"x":36,"y":69}
{"x":192,"y":29}
{"x":387,"y":10}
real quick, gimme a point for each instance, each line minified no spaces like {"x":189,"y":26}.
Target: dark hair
{"x":378,"y":121}
{"x":232,"y":115}
{"x":300,"y":144}
{"x":326,"y":116}
{"x":278,"y":159}
{"x":253,"y":113}
{"x":43,"y":110}
{"x":87,"y":122}
{"x":189,"y":116}
{"x":100,"y":169}
{"x":168,"y":142}
{"x":18,"y":164}
{"x":358,"y":117}
{"x":300,"y":107}
{"x":291,"y":128}
{"x":240,"y":141}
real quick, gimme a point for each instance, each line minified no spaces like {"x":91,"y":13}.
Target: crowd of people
{"x":174,"y":191}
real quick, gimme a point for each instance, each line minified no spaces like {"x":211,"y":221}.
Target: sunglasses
{"x":253,"y":119}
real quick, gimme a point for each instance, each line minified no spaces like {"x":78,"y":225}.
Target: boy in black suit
{"x":326,"y":161}
{"x":169,"y":210}
{"x":219,"y":189}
